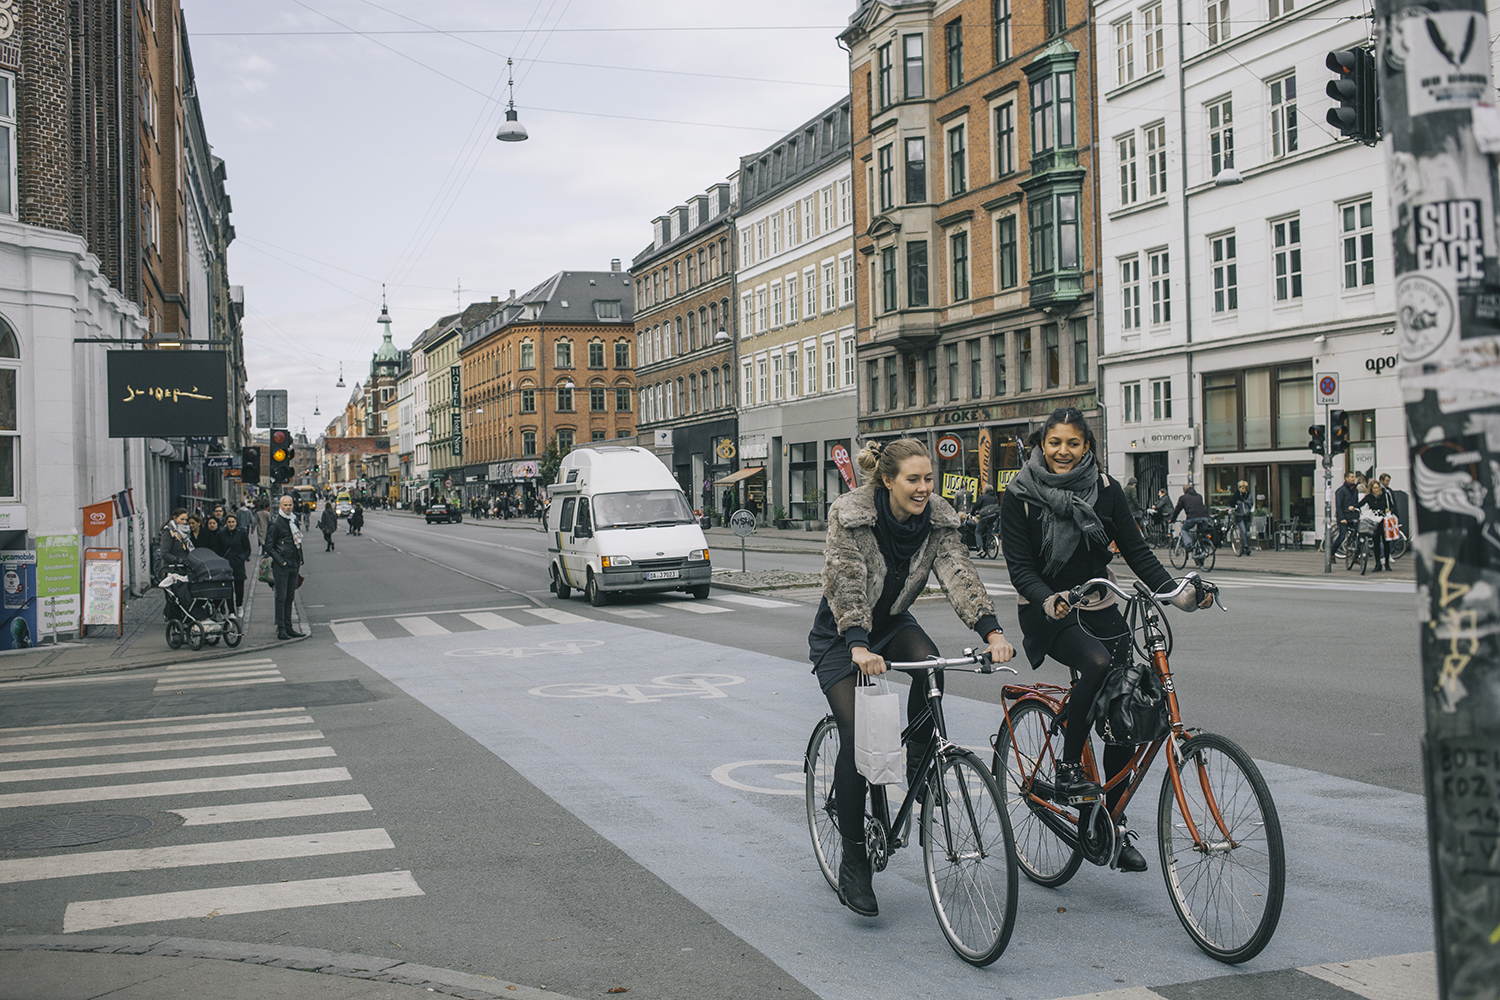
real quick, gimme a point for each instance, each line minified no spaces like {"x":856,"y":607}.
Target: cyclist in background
{"x":1191,"y":505}
{"x":1244,"y":512}
{"x":1057,"y":521}
{"x":884,"y":540}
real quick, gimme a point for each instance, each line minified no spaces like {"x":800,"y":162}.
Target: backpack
{"x":1131,"y":706}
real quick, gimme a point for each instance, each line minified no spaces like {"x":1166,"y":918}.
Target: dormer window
{"x":607,"y":310}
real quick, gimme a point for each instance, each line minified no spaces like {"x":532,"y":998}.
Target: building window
{"x":1041,"y":236}
{"x":1226,"y":273}
{"x":1132,"y":400}
{"x":1053,"y":355}
{"x":830,"y":365}
{"x":998,"y":345}
{"x":911,"y":55}
{"x":778,"y":376}
{"x":1052,"y":122}
{"x":1280,"y":8}
{"x":955,"y":31}
{"x":528,"y":355}
{"x":622,"y":399}
{"x":1005,"y":139}
{"x":776,"y":244}
{"x":958,"y":170}
{"x":1005,"y":242}
{"x":883,"y":60}
{"x":888,"y":279}
{"x":1358,"y":224}
{"x":886,"y":171}
{"x":1067,"y":232}
{"x":1161,"y":288}
{"x":564,"y":351}
{"x":846,"y":280}
{"x":1284,"y":115}
{"x":929,"y":362}
{"x":1151,"y":37}
{"x":810,"y":356}
{"x":916,"y":273}
{"x":747,"y":315}
{"x":596,"y":354}
{"x":1081,"y":352}
{"x":793,"y":374}
{"x":976,"y":370}
{"x":10,"y":428}
{"x":1023,"y":358}
{"x":809,"y":293}
{"x":1126,"y":147}
{"x":1057,"y":17}
{"x":596,"y":400}
{"x":893,"y":388}
{"x":7,"y":154}
{"x":1286,"y":254}
{"x":874,"y":369}
{"x":951,"y":350}
{"x":622,"y":354}
{"x":1002,"y":31}
{"x":916,"y":171}
{"x":830,"y":288}
{"x":760,"y":309}
{"x":1218,"y":21}
{"x":564,"y":399}
{"x":528,"y":400}
{"x":1156,"y":158}
{"x":778,"y":308}
{"x":721,"y":387}
{"x":762,"y":380}
{"x":1161,"y":399}
{"x":1124,"y":51}
{"x":793,"y":302}
{"x":1130,"y":293}
{"x":959,"y":243}
{"x":1221,"y":135}
{"x":760,"y":240}
{"x":528,"y":442}
{"x":564,"y":440}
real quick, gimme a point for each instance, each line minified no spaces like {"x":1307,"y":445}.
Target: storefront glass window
{"x":1221,"y":412}
{"x":1294,"y":411}
{"x":1257,"y":409}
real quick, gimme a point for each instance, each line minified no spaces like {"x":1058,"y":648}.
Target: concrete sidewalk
{"x":76,"y":967}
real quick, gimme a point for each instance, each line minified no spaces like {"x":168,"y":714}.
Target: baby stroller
{"x":200,"y":602}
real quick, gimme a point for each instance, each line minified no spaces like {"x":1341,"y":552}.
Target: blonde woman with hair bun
{"x":885,"y":539}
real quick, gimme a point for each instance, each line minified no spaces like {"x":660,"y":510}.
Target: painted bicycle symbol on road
{"x":556,"y":647}
{"x":702,"y":686}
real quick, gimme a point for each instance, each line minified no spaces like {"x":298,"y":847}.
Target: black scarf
{"x":899,"y":542}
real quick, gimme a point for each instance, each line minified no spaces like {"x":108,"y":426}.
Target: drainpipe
{"x":1187,"y":269}
{"x":1098,"y":226}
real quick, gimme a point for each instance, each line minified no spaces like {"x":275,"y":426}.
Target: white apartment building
{"x":798,"y":377}
{"x":419,"y":444}
{"x":1222,"y":302}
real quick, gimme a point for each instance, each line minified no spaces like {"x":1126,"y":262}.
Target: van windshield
{"x":641,"y":509}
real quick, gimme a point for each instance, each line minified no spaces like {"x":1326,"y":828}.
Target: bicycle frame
{"x":879,"y":800}
{"x":1055,"y":698}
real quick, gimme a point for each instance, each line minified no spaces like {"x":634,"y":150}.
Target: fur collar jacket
{"x":854,"y":570}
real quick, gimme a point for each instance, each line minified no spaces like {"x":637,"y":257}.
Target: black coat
{"x":236,"y":549}
{"x":173,"y":550}
{"x":1345,"y":497}
{"x":329,"y":522}
{"x":281,"y":545}
{"x":1191,"y":505}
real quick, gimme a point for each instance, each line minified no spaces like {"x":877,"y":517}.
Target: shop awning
{"x":735,"y":477}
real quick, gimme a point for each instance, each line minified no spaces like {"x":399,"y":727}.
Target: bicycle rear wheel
{"x":1044,"y":857}
{"x":969,"y":857}
{"x":1210,"y":556}
{"x":1398,"y":547}
{"x":992,"y":546}
{"x":1351,"y":552}
{"x":1228,"y":886}
{"x":822,"y":817}
{"x":1178,"y":553}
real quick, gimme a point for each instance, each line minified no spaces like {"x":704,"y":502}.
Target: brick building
{"x":976,"y":213}
{"x":685,"y":332}
{"x":554,"y":364}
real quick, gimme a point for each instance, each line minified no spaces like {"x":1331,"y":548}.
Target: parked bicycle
{"x":1218,"y":833}
{"x":967,"y":849}
{"x":1204,"y":550}
{"x":1154,"y":529}
{"x":1360,"y":546}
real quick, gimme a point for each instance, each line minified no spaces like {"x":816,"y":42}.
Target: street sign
{"x":948,"y":446}
{"x":840,"y":456}
{"x":270,"y":409}
{"x":1328,"y":388}
{"x":742,"y":522}
{"x":218,"y":461}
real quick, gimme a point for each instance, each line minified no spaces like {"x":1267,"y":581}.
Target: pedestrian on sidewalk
{"x":262,"y":521}
{"x":236,"y":541}
{"x":329,"y":525}
{"x":176,"y":540}
{"x":356,"y":520}
{"x":1380,"y":505}
{"x":1244,"y":509}
{"x":284,"y":546}
{"x":211,"y":535}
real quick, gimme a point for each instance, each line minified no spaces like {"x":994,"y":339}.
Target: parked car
{"x":447,"y":511}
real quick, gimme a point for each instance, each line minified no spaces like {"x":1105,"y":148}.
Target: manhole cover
{"x":70,"y":831}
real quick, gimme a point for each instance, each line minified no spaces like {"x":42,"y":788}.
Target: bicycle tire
{"x":822,"y":816}
{"x":1210,"y":558}
{"x":1398,"y":547}
{"x":1043,"y":856}
{"x":969,"y":857}
{"x":1178,"y":554}
{"x":1364,"y":558}
{"x":1229,"y":894}
{"x":1351,"y":553}
{"x":992,"y":547}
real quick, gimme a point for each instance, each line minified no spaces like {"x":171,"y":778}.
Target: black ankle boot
{"x":855,"y":890}
{"x":1129,"y":859}
{"x":1072,"y":786}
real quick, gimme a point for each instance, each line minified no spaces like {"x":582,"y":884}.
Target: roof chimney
{"x":512,"y":293}
{"x":614,"y":264}
{"x":494,"y":298}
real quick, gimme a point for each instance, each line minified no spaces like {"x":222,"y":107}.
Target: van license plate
{"x":666,"y":574}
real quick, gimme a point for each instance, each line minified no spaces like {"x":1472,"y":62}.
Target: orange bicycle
{"x":1217,"y":830}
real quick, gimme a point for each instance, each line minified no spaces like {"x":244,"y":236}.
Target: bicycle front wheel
{"x":1398,"y":547}
{"x":1024,"y":760}
{"x":1351,"y":553}
{"x":1227,"y":883}
{"x":970,"y":858}
{"x":822,"y":815}
{"x":1179,"y":553}
{"x":1210,"y":556}
{"x":992,"y":547}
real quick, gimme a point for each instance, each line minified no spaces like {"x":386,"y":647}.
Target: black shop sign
{"x":167,"y":393}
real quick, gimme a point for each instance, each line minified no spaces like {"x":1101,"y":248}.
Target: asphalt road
{"x":536,"y":803}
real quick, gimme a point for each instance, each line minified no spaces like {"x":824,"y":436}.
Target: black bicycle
{"x":1363,"y":545}
{"x":1204,"y":550}
{"x":968,"y":851}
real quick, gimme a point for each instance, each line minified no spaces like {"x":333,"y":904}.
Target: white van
{"x":620,"y":523}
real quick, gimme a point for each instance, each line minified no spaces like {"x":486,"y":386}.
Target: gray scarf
{"x":1067,"y":505}
{"x":182,"y":534}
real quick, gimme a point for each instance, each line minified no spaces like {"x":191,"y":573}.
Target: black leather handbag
{"x":1131,"y":706}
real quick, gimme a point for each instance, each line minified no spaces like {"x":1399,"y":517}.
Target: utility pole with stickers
{"x":1436,"y":105}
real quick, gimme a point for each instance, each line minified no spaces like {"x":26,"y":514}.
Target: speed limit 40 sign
{"x":948,"y":446}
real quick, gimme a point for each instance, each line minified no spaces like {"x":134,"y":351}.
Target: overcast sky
{"x":358,"y":137}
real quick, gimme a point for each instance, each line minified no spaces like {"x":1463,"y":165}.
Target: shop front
{"x":699,"y":455}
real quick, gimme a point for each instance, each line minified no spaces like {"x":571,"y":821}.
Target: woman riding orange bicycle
{"x":1058,"y":518}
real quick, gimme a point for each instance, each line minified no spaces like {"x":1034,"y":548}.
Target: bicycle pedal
{"x":1083,"y":800}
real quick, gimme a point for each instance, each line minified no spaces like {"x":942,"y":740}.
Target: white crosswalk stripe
{"x":220,"y":674}
{"x":487,"y":620}
{"x":352,"y":632}
{"x":555,"y":616}
{"x":421,"y":626}
{"x":281,"y":826}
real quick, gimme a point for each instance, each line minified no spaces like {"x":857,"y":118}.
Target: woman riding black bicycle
{"x":884,"y":540}
{"x":1058,"y":518}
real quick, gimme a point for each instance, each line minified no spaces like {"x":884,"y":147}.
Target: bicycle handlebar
{"x":971,"y":658}
{"x":1190,"y":580}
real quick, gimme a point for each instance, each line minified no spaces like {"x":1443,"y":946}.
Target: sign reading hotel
{"x":168,"y":393}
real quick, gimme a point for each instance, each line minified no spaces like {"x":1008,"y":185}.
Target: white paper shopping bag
{"x":877,"y":734}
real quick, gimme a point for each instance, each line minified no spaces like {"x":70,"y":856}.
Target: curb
{"x":218,"y":654}
{"x":316,"y":960}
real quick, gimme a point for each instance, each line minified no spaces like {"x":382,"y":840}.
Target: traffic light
{"x":1356,"y":90}
{"x":1338,"y":431}
{"x":250,"y":464}
{"x":1318,"y":442}
{"x":281,"y":455}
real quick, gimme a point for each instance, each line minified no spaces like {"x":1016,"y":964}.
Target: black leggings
{"x":1090,"y":659}
{"x":909,"y":645}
